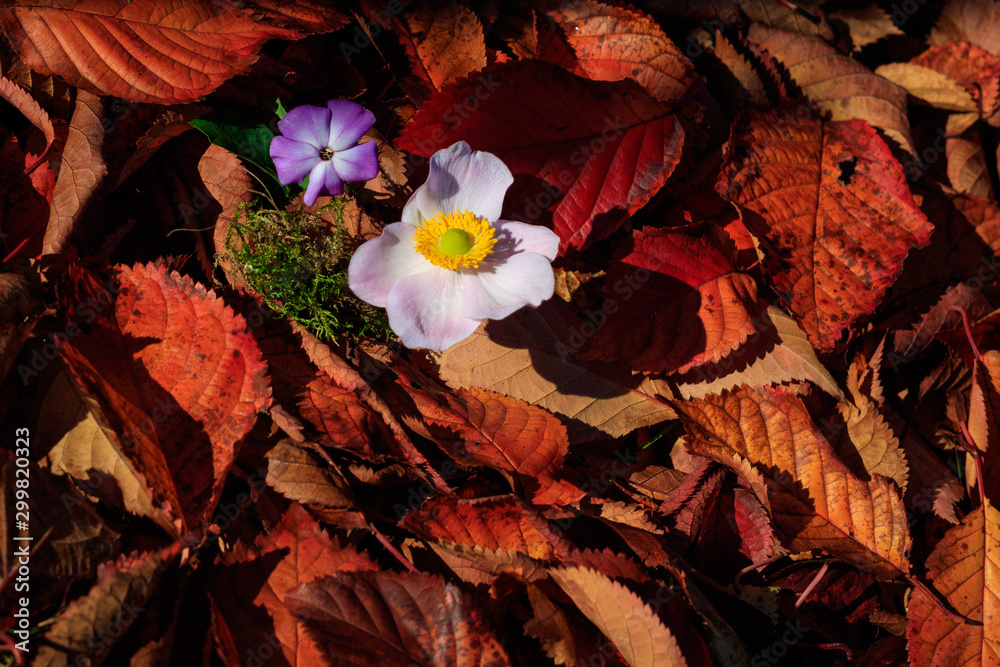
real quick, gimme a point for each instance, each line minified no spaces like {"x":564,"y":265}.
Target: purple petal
{"x":348,"y":123}
{"x":359,"y":163}
{"x":379,"y":263}
{"x":462,"y":180}
{"x":307,"y":123}
{"x":293,"y":159}
{"x":497,"y":289}
{"x":516,"y":237}
{"x":323,"y":180}
{"x":425,"y":310}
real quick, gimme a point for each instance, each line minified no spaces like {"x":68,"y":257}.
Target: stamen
{"x":456,"y":241}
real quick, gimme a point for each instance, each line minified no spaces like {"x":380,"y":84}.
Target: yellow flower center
{"x":456,"y":241}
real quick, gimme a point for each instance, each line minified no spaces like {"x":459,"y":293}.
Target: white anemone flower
{"x":452,"y":262}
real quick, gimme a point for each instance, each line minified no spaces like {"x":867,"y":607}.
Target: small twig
{"x":812,"y":585}
{"x":968,"y":331}
{"x":755,"y":566}
{"x":832,"y":646}
{"x":393,"y":550}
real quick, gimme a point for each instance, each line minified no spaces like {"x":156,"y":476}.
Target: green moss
{"x":299,"y":264}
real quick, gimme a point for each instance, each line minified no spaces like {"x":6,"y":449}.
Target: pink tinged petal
{"x":293,"y":159}
{"x":516,"y":237}
{"x":323,"y":180}
{"x":359,"y":163}
{"x":348,"y":123}
{"x":379,"y":263}
{"x":498,"y":289}
{"x":425,"y":310}
{"x":307,"y":123}
{"x":462,"y":180}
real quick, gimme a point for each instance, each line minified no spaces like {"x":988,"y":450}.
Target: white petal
{"x":497,"y":289}
{"x":425,"y":310}
{"x":379,"y":263}
{"x":462,"y":180}
{"x":514,"y":237}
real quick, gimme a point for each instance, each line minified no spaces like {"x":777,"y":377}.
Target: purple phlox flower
{"x":452,"y":262}
{"x":323,"y":143}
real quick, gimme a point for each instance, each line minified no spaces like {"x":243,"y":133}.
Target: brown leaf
{"x":964,"y":569}
{"x":868,"y":443}
{"x":929,"y":86}
{"x":298,"y":474}
{"x":867,"y":25}
{"x":164,"y":51}
{"x":621,"y":615}
{"x":405,"y":618}
{"x":832,"y":211}
{"x":526,"y":356}
{"x":88,"y":451}
{"x":777,"y":352}
{"x":81,"y":172}
{"x":976,"y":21}
{"x":89,"y":625}
{"x":816,"y":502}
{"x":837,"y":84}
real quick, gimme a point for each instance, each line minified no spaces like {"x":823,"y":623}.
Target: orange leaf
{"x":504,"y":433}
{"x":964,"y":568}
{"x":503,"y":523}
{"x":164,"y":51}
{"x":189,"y":378}
{"x":405,"y":619}
{"x":700,"y":307}
{"x":343,"y":420}
{"x":589,"y":170}
{"x":831,"y":208}
{"x":249,"y":592}
{"x":447,"y":43}
{"x":613,"y":43}
{"x":816,"y":502}
{"x":622,"y":616}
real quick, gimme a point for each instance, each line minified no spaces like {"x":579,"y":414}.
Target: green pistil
{"x":456,"y":242}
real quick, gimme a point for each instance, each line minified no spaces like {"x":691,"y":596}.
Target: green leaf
{"x":252,"y":143}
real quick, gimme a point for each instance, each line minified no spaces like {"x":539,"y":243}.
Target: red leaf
{"x":589,"y":170}
{"x":693,"y":310}
{"x":165,"y":51}
{"x":831,"y":208}
{"x":311,"y":17}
